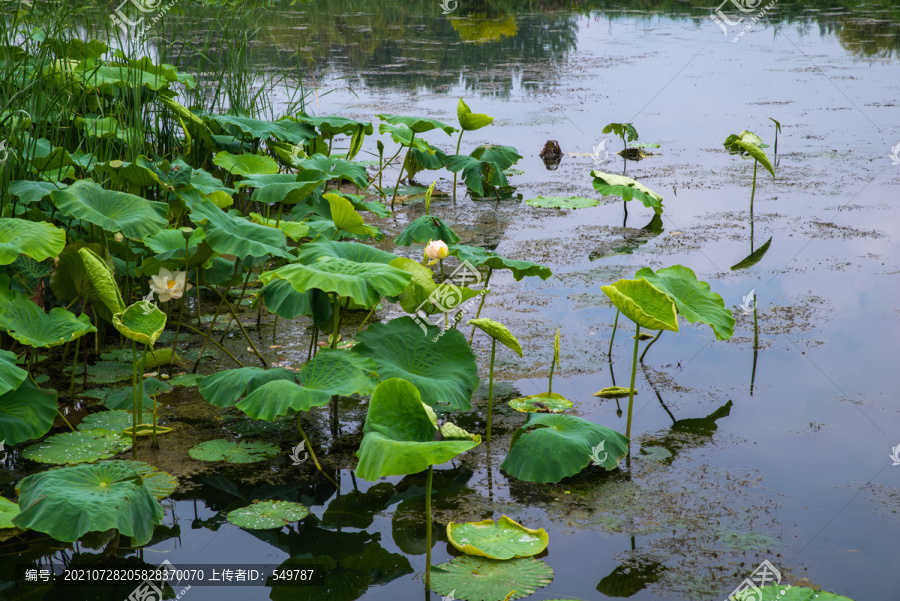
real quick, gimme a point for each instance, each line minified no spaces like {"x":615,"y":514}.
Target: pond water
{"x":780,"y":454}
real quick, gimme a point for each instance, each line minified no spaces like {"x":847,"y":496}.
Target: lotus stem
{"x":312,"y":341}
{"x":212,"y":324}
{"x":458,"y":142}
{"x":180,"y":310}
{"x":649,"y":344}
{"x":753,"y":190}
{"x":481,"y":304}
{"x":240,"y":300}
{"x":243,"y":331}
{"x":408,"y":150}
{"x":378,"y":175}
{"x":134,"y":400}
{"x":613,"y":337}
{"x":552,"y":367}
{"x":63,"y":417}
{"x":312,"y":453}
{"x":74,"y":365}
{"x":337,"y":320}
{"x":222,"y":348}
{"x":359,"y":329}
{"x":446,"y":314}
{"x":428,"y":480}
{"x":275,"y":330}
{"x":634,"y":362}
{"x":755,"y":327}
{"x":491,"y":390}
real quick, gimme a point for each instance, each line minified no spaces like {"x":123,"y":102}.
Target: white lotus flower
{"x":436,"y":250}
{"x":168,"y":285}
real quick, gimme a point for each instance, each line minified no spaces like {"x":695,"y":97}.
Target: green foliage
{"x":483,"y":579}
{"x":400,"y":436}
{"x":425,"y":229}
{"x":562,"y":202}
{"x":749,"y":145}
{"x":242,"y":451}
{"x":610,"y":184}
{"x":643,"y":303}
{"x":622,"y":130}
{"x":480,"y":256}
{"x":503,"y":539}
{"x":498,"y":332}
{"x":26,"y":322}
{"x":225,"y":388}
{"x":112,"y":211}
{"x":26,"y":411}
{"x":554,"y":403}
{"x":266,"y":515}
{"x":470,"y":121}
{"x":81,"y":446}
{"x":35,"y":239}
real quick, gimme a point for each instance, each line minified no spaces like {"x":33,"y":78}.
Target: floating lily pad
{"x":613,"y":392}
{"x":241,"y":451}
{"x":104,"y":372}
{"x":161,"y":484}
{"x":661,"y":454}
{"x":265,"y":515}
{"x":555,"y":403}
{"x":82,"y":446}
{"x":185,"y":380}
{"x":8,"y":510}
{"x":562,"y":202}
{"x":146,"y":429}
{"x":783,"y":592}
{"x":482,"y":579}
{"x":114,"y":421}
{"x":245,"y":426}
{"x":503,"y":539}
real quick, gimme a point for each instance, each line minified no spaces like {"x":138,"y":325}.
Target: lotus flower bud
{"x":119,"y":237}
{"x":436,"y":250}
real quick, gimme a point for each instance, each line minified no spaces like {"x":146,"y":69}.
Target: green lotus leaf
{"x":28,"y":191}
{"x":242,"y":451}
{"x":614,"y":392}
{"x":483,"y":579}
{"x":503,"y":539}
{"x":562,"y":202}
{"x":333,"y":125}
{"x":71,"y":280}
{"x":112,"y":211}
{"x":476,"y":173}
{"x":254,"y":128}
{"x":610,"y":184}
{"x":555,"y":403}
{"x":237,"y":236}
{"x":245,"y":164}
{"x":11,"y":375}
{"x":160,"y":484}
{"x":450,"y":431}
{"x":421,"y":288}
{"x":345,"y":217}
{"x":754,"y":257}
{"x":470,"y":121}
{"x":480,"y":256}
{"x":102,"y":280}
{"x":364,"y":283}
{"x":31,"y":271}
{"x":123,"y":398}
{"x":552,"y":446}
{"x":622,"y":130}
{"x":287,"y":188}
{"x":503,"y":157}
{"x":417,"y":124}
{"x":329,"y":373}
{"x":631,"y":577}
{"x":223,"y":389}
{"x":67,"y":503}
{"x":8,"y":510}
{"x":35,"y":239}
{"x":424,"y":229}
{"x":643,"y":303}
{"x":335,"y":168}
{"x":693,"y":298}
{"x":748,"y":143}
{"x":498,"y":332}
{"x":265,"y":515}
{"x":442,"y":371}
{"x":114,"y":421}
{"x":138,"y":324}
{"x":281,"y":299}
{"x":352,"y":251}
{"x":26,"y":322}
{"x":169,"y":247}
{"x":26,"y":412}
{"x":784,"y":592}
{"x":103,"y":372}
{"x":81,"y":446}
{"x":291,"y":229}
{"x":399,"y":435}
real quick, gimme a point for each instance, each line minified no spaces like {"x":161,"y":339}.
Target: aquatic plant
{"x":622,"y":130}
{"x":468,"y":121}
{"x":497,"y":331}
{"x":748,"y":145}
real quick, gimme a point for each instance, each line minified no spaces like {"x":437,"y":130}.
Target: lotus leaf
{"x":35,"y":239}
{"x":138,"y":324}
{"x":425,"y":229}
{"x":555,"y":403}
{"x":241,"y":451}
{"x":113,"y":211}
{"x":116,"y":420}
{"x":562,"y":202}
{"x":643,"y":303}
{"x":81,"y":446}
{"x":748,"y":143}
{"x":470,"y":121}
{"x":552,"y":446}
{"x":67,"y":503}
{"x":265,"y":515}
{"x":693,"y":298}
{"x":417,"y":124}
{"x":754,"y":257}
{"x":498,"y":332}
{"x":442,"y":371}
{"x":26,"y":412}
{"x":103,"y":281}
{"x":479,"y":256}
{"x":345,"y":217}
{"x":223,"y":389}
{"x":8,"y":510}
{"x":483,"y":579}
{"x":503,"y":539}
{"x":399,"y":435}
{"x":11,"y":375}
{"x":352,"y":251}
{"x":245,"y":164}
{"x":613,"y":392}
{"x":26,"y":322}
{"x":783,"y":592}
{"x":230,"y":235}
